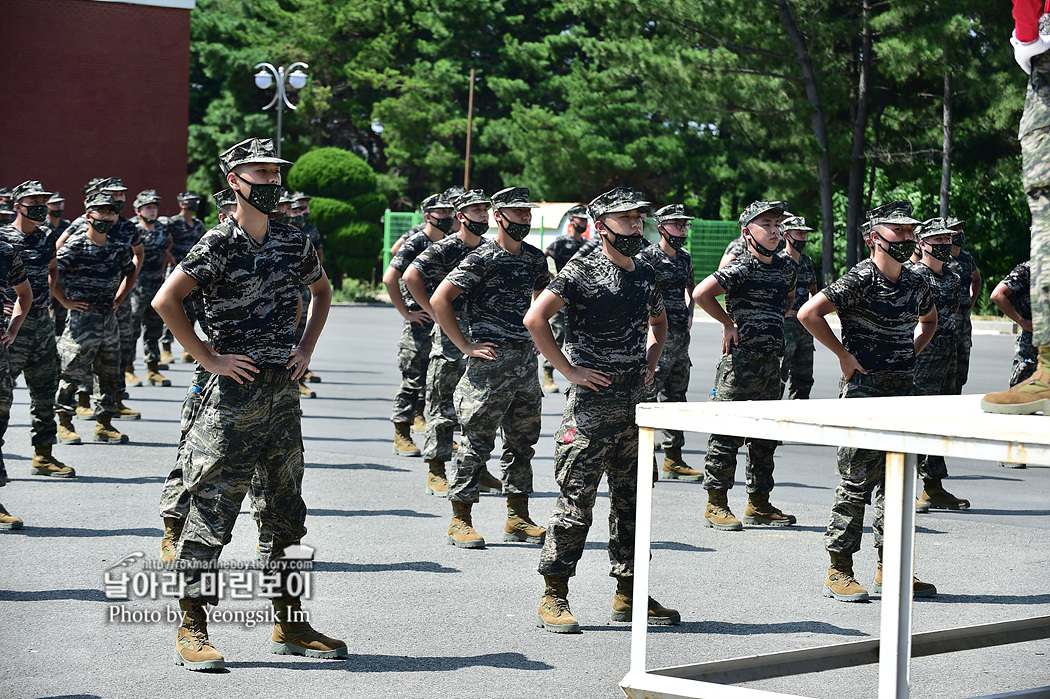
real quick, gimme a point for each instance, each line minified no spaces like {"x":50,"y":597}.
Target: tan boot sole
{"x":675,"y":476}
{"x":293,"y":649}
{"x":557,"y":628}
{"x":1041,"y":405}
{"x":521,"y":537}
{"x":203,"y":666}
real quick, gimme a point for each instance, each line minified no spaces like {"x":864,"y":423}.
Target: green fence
{"x":707,"y":241}
{"x":395,"y":224}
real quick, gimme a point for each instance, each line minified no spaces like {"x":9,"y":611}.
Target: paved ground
{"x":423,"y":619}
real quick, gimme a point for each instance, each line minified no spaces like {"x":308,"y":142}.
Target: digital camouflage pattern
{"x":805,"y":278}
{"x":671,"y":212}
{"x":557,"y":323}
{"x":935,"y":375}
{"x":607,"y":312}
{"x":154,"y":245}
{"x":7,"y":392}
{"x":597,"y":437}
{"x":412,"y":248}
{"x":93,"y":273}
{"x":563,"y":248}
{"x":757,"y":208}
{"x":90,"y":345}
{"x":756,"y":299}
{"x":314,"y":234}
{"x":671,"y":380}
{"x":502,"y":393}
{"x":174,"y":498}
{"x":944,"y":288}
{"x":437,"y":260}
{"x":513,"y":198}
{"x":183,"y":235}
{"x":742,"y":375}
{"x":498,"y":289}
{"x":896,"y":212}
{"x":673,"y":276}
{"x":35,"y":351}
{"x":1034,"y":134}
{"x":13,"y":274}
{"x":413,"y":352}
{"x":36,"y":251}
{"x":144,"y":321}
{"x":616,"y":200}
{"x":250,"y":150}
{"x":250,"y":290}
{"x":589,"y":247}
{"x":796,"y":368}
{"x":1026,"y":355}
{"x":879,"y":317}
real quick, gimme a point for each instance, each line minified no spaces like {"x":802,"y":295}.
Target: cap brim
{"x":40,"y":193}
{"x":676,"y":218}
{"x":801,"y":228}
{"x":516,"y":205}
{"x":896,"y":220}
{"x":620,"y":208}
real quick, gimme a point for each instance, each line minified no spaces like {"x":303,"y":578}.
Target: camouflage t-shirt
{"x":964,"y":265}
{"x":607,"y":312}
{"x":183,"y":235}
{"x":879,"y":316}
{"x":806,"y":277}
{"x":250,"y":289}
{"x":439,"y":259}
{"x":36,"y":251}
{"x":1018,"y":281}
{"x":945,"y":290}
{"x":673,"y":275}
{"x":498,"y":288}
{"x":756,"y":299}
{"x":562,"y":250}
{"x":154,"y":244}
{"x":92,"y":273}
{"x":416,"y":243}
{"x":314,"y":235}
{"x":736,"y":247}
{"x":63,"y":224}
{"x":12,"y":271}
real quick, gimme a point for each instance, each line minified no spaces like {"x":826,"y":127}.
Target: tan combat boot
{"x":760,"y":512}
{"x":918,"y":587}
{"x":193,"y":650}
{"x":934,"y":495}
{"x":310,"y":377}
{"x":554,"y":614}
{"x":170,"y":543}
{"x":129,"y":377}
{"x":1029,"y":396}
{"x":305,"y":391}
{"x":840,"y":583}
{"x":921,"y":506}
{"x":187,"y":358}
{"x":8,"y":520}
{"x":675,"y":469}
{"x":44,"y":464}
{"x":154,"y":377}
{"x":419,"y":423}
{"x":548,"y":381}
{"x":293,"y":635}
{"x":106,"y":432}
{"x":66,"y":433}
{"x":403,"y":444}
{"x":437,"y":480}
{"x":489,"y":483}
{"x":84,"y":410}
{"x":461,"y":531}
{"x":519,"y":526}
{"x":718,"y":515}
{"x":623,"y":606}
{"x":126,"y":413}
{"x":166,"y":357}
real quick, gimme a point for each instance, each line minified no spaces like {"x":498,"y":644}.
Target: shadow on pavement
{"x":80,"y":595}
{"x":401,"y":663}
{"x":369,"y":513}
{"x":111,"y":479}
{"x":361,"y":467}
{"x":405,"y":566}
{"x":84,"y":532}
{"x":988,"y":599}
{"x":734,"y":629}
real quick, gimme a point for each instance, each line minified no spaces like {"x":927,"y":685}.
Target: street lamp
{"x":292,"y":77}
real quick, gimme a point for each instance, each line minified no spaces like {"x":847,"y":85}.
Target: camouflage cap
{"x":795,"y":223}
{"x":92,"y":185}
{"x":474,"y":196}
{"x":578,"y":211}
{"x":5,"y":193}
{"x":454,"y":193}
{"x":931,"y":227}
{"x":296,"y":203}
{"x":6,"y":208}
{"x":896,"y":212}
{"x":616,"y":201}
{"x":512,"y":198}
{"x":99,"y":199}
{"x":29,"y":188}
{"x":146,"y":196}
{"x":757,"y":208}
{"x":286,"y":197}
{"x":952,"y":222}
{"x":224,"y":197}
{"x":435,"y":201}
{"x":112,"y":184}
{"x":672,"y":212}
{"x":250,"y":150}
{"x":188,"y":195}
{"x":301,"y":196}
{"x":56,"y":198}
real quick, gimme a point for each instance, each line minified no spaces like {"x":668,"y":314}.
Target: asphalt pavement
{"x":424,"y":619}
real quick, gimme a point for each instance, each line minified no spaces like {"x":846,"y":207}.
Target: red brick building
{"x":95,"y":88}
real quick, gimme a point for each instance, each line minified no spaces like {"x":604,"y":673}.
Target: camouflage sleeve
{"x":52,"y":244}
{"x":310,"y":269}
{"x":845,"y":291}
{"x":1018,"y":279}
{"x":470,"y":272}
{"x":656,"y":304}
{"x":564,"y":284}
{"x":408,"y":252}
{"x":925,"y":298}
{"x":17,"y":275}
{"x":732,"y":275}
{"x":205,"y":260}
{"x":66,"y":254}
{"x":427,"y":261}
{"x":127,"y":262}
{"x":543,"y":274}
{"x":736,"y":247}
{"x":690,"y":276}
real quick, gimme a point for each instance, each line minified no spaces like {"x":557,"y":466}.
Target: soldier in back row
{"x":560,"y":252}
{"x":796,"y":368}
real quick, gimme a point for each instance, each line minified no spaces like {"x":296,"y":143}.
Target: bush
{"x":370,"y":206}
{"x":331,"y":214}
{"x":333,"y":173}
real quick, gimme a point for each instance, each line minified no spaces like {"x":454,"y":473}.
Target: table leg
{"x":897,"y":571}
{"x":642,"y":547}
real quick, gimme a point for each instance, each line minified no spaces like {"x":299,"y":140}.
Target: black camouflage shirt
{"x":964,"y":265}
{"x":439,"y":259}
{"x":736,"y":247}
{"x":63,"y":224}
{"x":12,"y":272}
{"x":673,"y":275}
{"x":498,"y":287}
{"x":607,"y":312}
{"x":756,"y":299}
{"x":125,"y":231}
{"x":36,"y":251}
{"x":945,"y":290}
{"x":183,"y":235}
{"x":1018,"y":282}
{"x":92,"y":273}
{"x":806,"y":277}
{"x":314,"y":235}
{"x":416,"y":243}
{"x":879,"y":316}
{"x":250,"y":289}
{"x":154,"y":244}
{"x":562,"y":250}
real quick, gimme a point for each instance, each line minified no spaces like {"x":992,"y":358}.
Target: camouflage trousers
{"x":743,"y":376}
{"x":796,"y":368}
{"x":557,"y":322}
{"x":242,"y":433}
{"x":963,"y":343}
{"x":7,"y":392}
{"x":935,"y":375}
{"x":861,"y":471}
{"x":90,"y":343}
{"x":444,"y":371}
{"x":500,"y":393}
{"x":413,"y":352}
{"x":671,"y":380}
{"x":126,"y":327}
{"x":1026,"y":357}
{"x":35,"y":352}
{"x":598,"y":435}
{"x":146,"y":322}
{"x":1035,"y":167}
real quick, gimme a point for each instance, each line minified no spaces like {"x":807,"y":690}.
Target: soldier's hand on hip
{"x":850,"y":365}
{"x":730,"y":337}
{"x":237,"y":366}
{"x":419,"y":317}
{"x":298,"y":362}
{"x":649,"y":376}
{"x":481,"y":350}
{"x":588,"y":378}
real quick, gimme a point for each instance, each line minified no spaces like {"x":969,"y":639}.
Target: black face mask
{"x":677,"y":242}
{"x":626,"y":245}
{"x":192,"y":205}
{"x":101,"y":226}
{"x":476,"y":227}
{"x":958,"y":239}
{"x":280,"y":217}
{"x":57,"y":213}
{"x":941,"y":251}
{"x":443,"y":224}
{"x":762,"y":250}
{"x":262,"y":197}
{"x":305,"y":218}
{"x":296,"y":221}
{"x":579,"y":227}
{"x":901,"y":252}
{"x":36,"y":212}
{"x":517,"y":231}
{"x":119,"y":206}
{"x":799,"y":245}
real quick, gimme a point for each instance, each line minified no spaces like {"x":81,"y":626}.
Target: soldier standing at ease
{"x":13,"y":274}
{"x":674,"y":276}
{"x":56,"y":206}
{"x":615,"y":328}
{"x":1012,"y":297}
{"x":500,"y":388}
{"x":759,"y":287}
{"x":560,"y":252}
{"x":34,"y":350}
{"x":879,"y":302}
{"x":156,"y":244}
{"x":299,"y":216}
{"x":796,"y":369}
{"x":185,"y":229}
{"x":963,"y":264}
{"x":249,"y":270}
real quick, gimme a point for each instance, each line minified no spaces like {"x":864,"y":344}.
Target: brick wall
{"x":94,"y":89}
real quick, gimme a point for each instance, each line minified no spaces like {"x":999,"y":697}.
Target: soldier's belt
{"x":33,"y":312}
{"x":102,"y":308}
{"x":503,"y":344}
{"x":626,"y":379}
{"x":273,"y":375}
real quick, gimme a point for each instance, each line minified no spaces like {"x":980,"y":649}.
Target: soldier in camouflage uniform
{"x":1012,"y":297}
{"x":560,"y":252}
{"x":96,"y":273}
{"x":452,"y":193}
{"x":34,"y":350}
{"x":500,"y":388}
{"x":935,"y":366}
{"x":185,"y":229}
{"x":796,"y":369}
{"x":415,"y":345}
{"x":879,"y":302}
{"x":759,"y":286}
{"x":56,"y":206}
{"x":249,"y":270}
{"x":674,"y":276}
{"x":447,"y":362}
{"x":299,"y":216}
{"x":962,"y":263}
{"x":7,"y":211}
{"x":156,"y":245}
{"x":615,"y":327}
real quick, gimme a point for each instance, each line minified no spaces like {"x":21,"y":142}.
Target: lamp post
{"x":292,"y":77}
